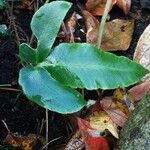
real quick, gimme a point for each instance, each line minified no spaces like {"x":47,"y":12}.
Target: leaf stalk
{"x":102,"y":24}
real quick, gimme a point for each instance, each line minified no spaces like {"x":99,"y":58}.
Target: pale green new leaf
{"x":41,"y":88}
{"x":45,"y":25}
{"x":82,"y":65}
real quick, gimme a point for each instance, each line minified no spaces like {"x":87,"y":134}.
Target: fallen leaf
{"x":92,"y":138}
{"x":142,"y":52}
{"x":101,"y":121}
{"x":117,"y":35}
{"x":76,"y":142}
{"x":25,"y":4}
{"x":124,"y":5}
{"x":68,"y":29}
{"x":123,"y":101}
{"x":70,"y":26}
{"x":139,"y":91}
{"x":115,"y":113}
{"x":19,"y":141}
{"x":92,"y":25}
{"x":96,"y":7}
{"x":95,"y":143}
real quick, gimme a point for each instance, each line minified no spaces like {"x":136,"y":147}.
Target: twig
{"x":10,"y":89}
{"x":4,"y":85}
{"x":36,"y":6}
{"x":82,"y":91}
{"x":46,"y":129}
{"x":51,"y":142}
{"x":6,"y":126}
{"x":102,"y":24}
{"x":14,"y":25}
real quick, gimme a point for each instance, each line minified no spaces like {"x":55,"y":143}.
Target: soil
{"x":20,"y":114}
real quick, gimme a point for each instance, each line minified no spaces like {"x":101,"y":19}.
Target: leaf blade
{"x":27,"y":53}
{"x":43,"y":27}
{"x":42,"y":89}
{"x":92,"y":68}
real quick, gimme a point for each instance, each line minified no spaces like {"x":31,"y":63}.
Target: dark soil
{"x":20,"y":114}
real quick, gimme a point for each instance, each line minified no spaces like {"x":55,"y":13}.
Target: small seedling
{"x":51,"y":75}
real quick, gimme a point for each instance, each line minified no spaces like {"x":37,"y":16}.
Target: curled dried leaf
{"x":142,"y":52}
{"x":76,"y":142}
{"x":92,"y":138}
{"x":96,"y":7}
{"x":123,"y":101}
{"x":139,"y":91}
{"x":115,"y":113}
{"x":124,"y":5}
{"x":92,"y":25}
{"x":117,"y":35}
{"x":101,"y":121}
{"x":20,"y":141}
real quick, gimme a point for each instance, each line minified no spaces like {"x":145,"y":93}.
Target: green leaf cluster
{"x":52,"y":74}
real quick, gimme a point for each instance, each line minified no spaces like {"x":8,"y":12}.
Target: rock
{"x":136,"y":133}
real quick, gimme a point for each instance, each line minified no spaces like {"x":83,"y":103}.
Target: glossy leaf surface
{"x":41,"y":88}
{"x":83,"y":65}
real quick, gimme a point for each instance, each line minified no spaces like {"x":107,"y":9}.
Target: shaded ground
{"x":23,"y":116}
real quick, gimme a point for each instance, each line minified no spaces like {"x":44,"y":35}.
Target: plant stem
{"x":102,"y":24}
{"x":6,"y":126}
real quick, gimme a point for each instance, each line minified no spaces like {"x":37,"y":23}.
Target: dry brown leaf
{"x":124,"y":5}
{"x":139,"y":91}
{"x":101,"y":121}
{"x":111,"y":109}
{"x":19,"y":141}
{"x":117,"y":35}
{"x":96,"y":7}
{"x":92,"y":25}
{"x":68,"y":29}
{"x":76,"y":142}
{"x":26,"y":4}
{"x":142,"y":52}
{"x":70,"y":26}
{"x":123,"y":101}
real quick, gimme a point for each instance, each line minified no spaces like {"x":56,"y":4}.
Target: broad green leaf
{"x":41,"y":88}
{"x":45,"y":25}
{"x":83,"y":65}
{"x":27,"y":53}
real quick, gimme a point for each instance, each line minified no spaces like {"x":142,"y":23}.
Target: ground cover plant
{"x":69,"y":91}
{"x":74,"y":65}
